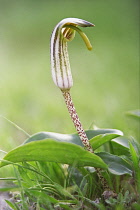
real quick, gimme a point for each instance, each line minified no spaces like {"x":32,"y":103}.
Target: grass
{"x":51,"y":185}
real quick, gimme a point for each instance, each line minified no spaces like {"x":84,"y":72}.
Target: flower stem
{"x":76,"y":120}
{"x":84,"y":138}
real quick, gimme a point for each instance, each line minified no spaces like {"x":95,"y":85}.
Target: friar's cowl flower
{"x":62,"y":33}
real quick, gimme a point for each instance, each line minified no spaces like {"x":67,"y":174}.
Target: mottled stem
{"x":76,"y":120}
{"x":82,"y":134}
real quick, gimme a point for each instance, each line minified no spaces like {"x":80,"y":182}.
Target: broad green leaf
{"x":116,"y":164}
{"x":122,"y":141}
{"x":92,"y":133}
{"x":107,"y":134}
{"x":120,"y":146}
{"x":53,"y":151}
{"x":70,"y":138}
{"x":101,"y":139}
{"x":134,"y":113}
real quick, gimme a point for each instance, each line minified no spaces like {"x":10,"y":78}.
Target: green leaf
{"x":116,"y":164}
{"x":92,"y":133}
{"x":6,"y":189}
{"x":120,"y":146}
{"x":136,"y":162}
{"x":12,"y":205}
{"x":101,"y":139}
{"x":53,"y":151}
{"x":24,"y":175}
{"x":54,"y":170}
{"x":134,"y":156}
{"x":107,"y":134}
{"x":122,"y":141}
{"x":41,"y":196}
{"x":134,"y":113}
{"x":70,"y":138}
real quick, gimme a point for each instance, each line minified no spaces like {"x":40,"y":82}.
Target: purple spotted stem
{"x":76,"y":120}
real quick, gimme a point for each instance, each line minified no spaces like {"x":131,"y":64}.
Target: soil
{"x":4,"y":196}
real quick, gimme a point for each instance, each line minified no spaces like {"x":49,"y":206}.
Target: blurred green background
{"x":105,"y":80}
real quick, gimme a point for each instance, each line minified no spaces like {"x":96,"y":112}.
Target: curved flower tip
{"x":62,"y":33}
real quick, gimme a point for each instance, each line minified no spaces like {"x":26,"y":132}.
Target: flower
{"x":62,"y":33}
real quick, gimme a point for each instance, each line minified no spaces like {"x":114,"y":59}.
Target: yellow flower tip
{"x":90,"y":48}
